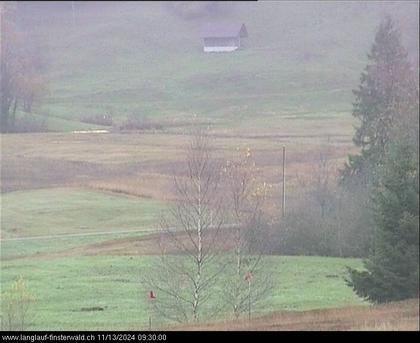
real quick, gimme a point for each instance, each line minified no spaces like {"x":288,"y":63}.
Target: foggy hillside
{"x":146,"y":59}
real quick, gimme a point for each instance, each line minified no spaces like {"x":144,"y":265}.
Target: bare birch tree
{"x":323,"y":179}
{"x":191,"y":246}
{"x":247,"y":277}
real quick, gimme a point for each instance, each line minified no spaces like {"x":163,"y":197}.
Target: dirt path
{"x":76,"y":235}
{"x":148,"y":244}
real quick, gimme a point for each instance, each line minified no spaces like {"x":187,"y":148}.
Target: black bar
{"x":198,"y":336}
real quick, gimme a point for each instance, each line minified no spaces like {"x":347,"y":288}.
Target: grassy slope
{"x":140,"y":58}
{"x":64,"y":286}
{"x":64,"y":211}
{"x":19,"y":249}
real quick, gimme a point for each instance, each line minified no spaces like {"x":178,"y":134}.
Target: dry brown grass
{"x":141,"y":164}
{"x":401,"y":316}
{"x":146,"y":185}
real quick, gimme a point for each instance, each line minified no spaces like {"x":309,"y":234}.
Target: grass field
{"x":74,"y":211}
{"x":143,"y":164}
{"x":66,"y":287}
{"x":48,"y":247}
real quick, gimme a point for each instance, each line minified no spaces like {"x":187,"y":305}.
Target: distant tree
{"x":21,"y":81}
{"x":247,"y":279}
{"x":324,"y":218}
{"x":322,"y":180}
{"x":386,"y":86}
{"x":32,"y":86}
{"x":392,"y":271}
{"x":9,"y":65}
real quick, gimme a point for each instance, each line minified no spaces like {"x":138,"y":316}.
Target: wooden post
{"x":283,"y":200}
{"x":249,"y":299}
{"x":150,"y":320}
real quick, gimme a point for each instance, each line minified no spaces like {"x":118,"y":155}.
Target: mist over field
{"x":212,"y":165}
{"x":146,"y":59}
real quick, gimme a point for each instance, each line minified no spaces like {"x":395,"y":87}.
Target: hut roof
{"x":223,"y":30}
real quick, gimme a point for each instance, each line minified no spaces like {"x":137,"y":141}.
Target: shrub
{"x":343,"y":229}
{"x":16,"y":304}
{"x":134,"y":122}
{"x":29,"y":123}
{"x":99,"y":119}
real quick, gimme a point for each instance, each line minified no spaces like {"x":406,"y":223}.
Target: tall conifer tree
{"x":393,"y":268}
{"x":386,"y":86}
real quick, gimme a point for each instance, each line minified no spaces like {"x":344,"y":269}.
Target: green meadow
{"x":68,"y":290}
{"x":74,"y":211}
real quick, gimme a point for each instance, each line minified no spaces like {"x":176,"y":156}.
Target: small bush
{"x":342,"y":230}
{"x":16,"y":304}
{"x":140,"y":123}
{"x":29,"y":123}
{"x":99,"y":119}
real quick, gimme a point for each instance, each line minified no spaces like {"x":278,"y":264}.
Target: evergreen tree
{"x":386,"y":86}
{"x":392,"y":271}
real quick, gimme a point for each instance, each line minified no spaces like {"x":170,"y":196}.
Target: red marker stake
{"x":248,"y":278}
{"x":152,"y":297}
